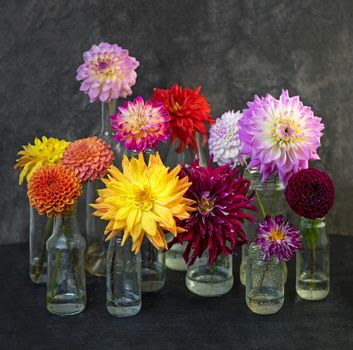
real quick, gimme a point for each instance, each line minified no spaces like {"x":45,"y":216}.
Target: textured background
{"x":234,"y":49}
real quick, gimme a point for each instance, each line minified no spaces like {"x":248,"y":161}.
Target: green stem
{"x":39,"y":265}
{"x":274,"y":197}
{"x":213,"y":267}
{"x":261,"y":206}
{"x":55,"y":274}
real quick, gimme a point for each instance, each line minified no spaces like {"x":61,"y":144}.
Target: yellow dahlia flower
{"x":45,"y":151}
{"x":143,"y":200}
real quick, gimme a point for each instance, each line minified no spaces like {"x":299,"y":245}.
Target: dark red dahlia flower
{"x":222,"y":204}
{"x":189,"y":112}
{"x":310,"y":193}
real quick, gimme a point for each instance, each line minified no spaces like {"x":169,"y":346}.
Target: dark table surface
{"x":175,"y":318}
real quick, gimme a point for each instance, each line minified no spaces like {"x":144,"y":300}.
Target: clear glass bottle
{"x":153,"y":268}
{"x":264,"y":283}
{"x":270,"y":199}
{"x":66,"y":285}
{"x":40,"y":229}
{"x":313,"y":261}
{"x":123,"y":278}
{"x":174,"y":256}
{"x":210,"y":280}
{"x":94,"y":226}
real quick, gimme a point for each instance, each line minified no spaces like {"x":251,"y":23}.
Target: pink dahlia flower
{"x":141,"y":125}
{"x":276,"y":237}
{"x":280,"y":135}
{"x":108,"y":72}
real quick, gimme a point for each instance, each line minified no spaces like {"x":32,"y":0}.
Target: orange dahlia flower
{"x":53,"y":190}
{"x":89,"y":158}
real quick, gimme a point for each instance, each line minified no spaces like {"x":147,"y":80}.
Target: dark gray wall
{"x":234,"y":49}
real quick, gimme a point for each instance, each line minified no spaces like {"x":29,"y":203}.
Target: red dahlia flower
{"x":189,"y":111}
{"x":221,"y":203}
{"x":310,"y":193}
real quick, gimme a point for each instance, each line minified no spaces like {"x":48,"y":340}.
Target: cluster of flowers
{"x":203,"y":206}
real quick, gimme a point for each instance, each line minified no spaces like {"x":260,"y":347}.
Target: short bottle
{"x":123,"y":278}
{"x":210,"y":280}
{"x":270,"y":195}
{"x":153,"y":268}
{"x":313,"y":261}
{"x":66,"y":284}
{"x":264,"y":283}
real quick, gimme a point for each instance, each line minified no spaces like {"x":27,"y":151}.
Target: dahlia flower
{"x":276,"y":237}
{"x":108,"y":72}
{"x":189,"y":113}
{"x":224,"y":142}
{"x":90,"y":158}
{"x":279,"y":135}
{"x":144,"y":200}
{"x":53,"y":190}
{"x":221,"y":205}
{"x":141,"y":125}
{"x":45,"y":151}
{"x":310,"y":193}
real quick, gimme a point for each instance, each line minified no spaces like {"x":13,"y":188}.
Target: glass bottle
{"x":264,"y":283}
{"x":123,"y":278}
{"x":210,"y":280}
{"x":153,"y":268}
{"x":40,"y":229}
{"x":66,"y":285}
{"x":269,"y":199}
{"x":313,"y":261}
{"x":174,"y":256}
{"x":94,"y":227}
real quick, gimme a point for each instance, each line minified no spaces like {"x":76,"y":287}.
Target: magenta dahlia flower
{"x":224,"y":142}
{"x":222,"y":203}
{"x":108,"y":72}
{"x":280,"y":135}
{"x":276,"y":237}
{"x":141,"y":125}
{"x":310,"y":193}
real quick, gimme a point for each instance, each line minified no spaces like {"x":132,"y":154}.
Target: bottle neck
{"x":271,"y":183}
{"x":107,"y":109}
{"x":66,"y":224}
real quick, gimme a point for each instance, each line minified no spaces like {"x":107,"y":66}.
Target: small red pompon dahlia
{"x":222,"y":203}
{"x":189,"y":113}
{"x":310,"y":193}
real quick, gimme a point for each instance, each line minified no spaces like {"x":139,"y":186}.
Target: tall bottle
{"x":174,"y":256}
{"x":94,"y":227}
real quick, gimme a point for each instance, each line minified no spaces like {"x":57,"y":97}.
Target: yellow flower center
{"x":143,"y":198}
{"x":176,"y":107}
{"x":277,"y":235}
{"x":205,"y":205}
{"x":286,"y":130}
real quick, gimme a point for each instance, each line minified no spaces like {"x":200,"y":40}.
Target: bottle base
{"x":65,"y":305}
{"x":38,"y":276}
{"x":312,"y":289}
{"x":174,"y":258}
{"x":95,"y":261}
{"x":209,"y":285}
{"x":265,"y":301}
{"x":153,"y":279}
{"x":123,"y":311}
